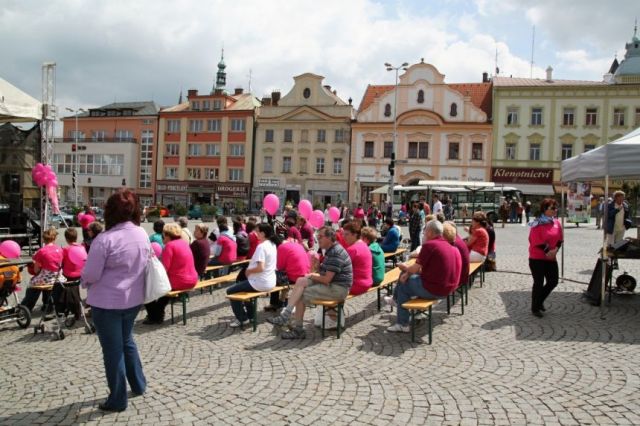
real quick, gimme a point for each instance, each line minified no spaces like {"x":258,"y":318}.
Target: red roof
{"x":480,"y":94}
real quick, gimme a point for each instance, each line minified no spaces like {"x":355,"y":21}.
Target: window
{"x":193,"y":173}
{"x":80,"y":135}
{"x":98,"y":135}
{"x":368,"y":149}
{"x":124,"y":136}
{"x":303,"y":165}
{"x":236,"y":149}
{"x":320,"y":166}
{"x":211,"y":174}
{"x":173,"y":126}
{"x":172,"y":149}
{"x":268,"y":135}
{"x":454,"y":150}
{"x":286,"y":164}
{"x":171,"y":173}
{"x":237,"y":125}
{"x":387,"y":110}
{"x":213,"y":149}
{"x":341,"y":135}
{"x":536,"y":116}
{"x":147,"y":121}
{"x":418,"y":150}
{"x":195,"y":105}
{"x":618,"y":116}
{"x":146,"y":148}
{"x":321,"y":135}
{"x":420,"y":96}
{"x":268,"y":165}
{"x":306,"y":93}
{"x":454,"y":110}
{"x":510,"y":151}
{"x":217,"y":104}
{"x":388,"y":149}
{"x":236,"y":175}
{"x":214,"y":125}
{"x":195,"y":149}
{"x":288,"y":135}
{"x":568,"y":116}
{"x":337,"y":166}
{"x":206,"y":105}
{"x":90,"y":164}
{"x":304,"y":136}
{"x":637,"y":121}
{"x":567,"y":151}
{"x":512,"y":116}
{"x":591,"y":118}
{"x":589,"y":147}
{"x":534,"y":151}
{"x":476,"y":151}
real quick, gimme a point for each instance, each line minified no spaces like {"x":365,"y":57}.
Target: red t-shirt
{"x":441,"y":264}
{"x":464,"y":257}
{"x":228,"y":249}
{"x":547,"y":236}
{"x":362,"y":263}
{"x":253,"y":243}
{"x":293,"y":259}
{"x":49,"y":257}
{"x":481,"y":242}
{"x":294,"y":233}
{"x":70,"y":269}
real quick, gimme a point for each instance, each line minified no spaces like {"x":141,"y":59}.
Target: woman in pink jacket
{"x":545,"y":239}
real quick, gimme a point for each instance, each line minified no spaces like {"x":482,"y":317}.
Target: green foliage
{"x":179,"y":210}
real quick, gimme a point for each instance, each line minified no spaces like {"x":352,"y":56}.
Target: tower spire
{"x":221,"y":75}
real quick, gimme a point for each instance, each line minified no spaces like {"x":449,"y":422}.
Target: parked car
{"x":194,"y":212}
{"x":154,"y":211}
{"x":99,"y":214}
{"x":57,"y":219}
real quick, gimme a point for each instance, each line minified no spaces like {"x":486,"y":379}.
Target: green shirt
{"x":156,"y":238}
{"x":378,"y":262}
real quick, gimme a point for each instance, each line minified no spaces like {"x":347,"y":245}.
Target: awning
{"x":384,"y":189}
{"x":534,"y":189}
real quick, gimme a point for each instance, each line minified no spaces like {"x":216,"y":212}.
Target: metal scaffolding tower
{"x":49,"y":115}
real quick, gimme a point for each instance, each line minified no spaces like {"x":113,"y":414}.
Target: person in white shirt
{"x":437,"y":205}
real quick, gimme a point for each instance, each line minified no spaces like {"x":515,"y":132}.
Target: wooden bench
{"x":231,"y":266}
{"x":183,"y":295}
{"x":394,"y":255}
{"x":252,"y":296}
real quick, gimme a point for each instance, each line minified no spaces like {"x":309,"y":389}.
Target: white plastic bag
{"x":156,"y":282}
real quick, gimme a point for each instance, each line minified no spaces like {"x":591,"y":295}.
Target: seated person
{"x":157,"y":237}
{"x":68,"y":299}
{"x":225,"y":251}
{"x":435,"y":274}
{"x":178,"y":261}
{"x":361,"y":259}
{"x":306,"y":232}
{"x":200,"y":248}
{"x":370,"y":237}
{"x":242,"y":240}
{"x":450,"y":233}
{"x":332,"y":282}
{"x":478,"y":242}
{"x":292,"y":230}
{"x":46,"y":269}
{"x":392,"y":237}
{"x":295,"y":263}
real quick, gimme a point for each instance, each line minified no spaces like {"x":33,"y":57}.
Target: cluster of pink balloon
{"x":10,"y":249}
{"x":77,"y":255}
{"x":271,"y":203}
{"x":43,"y":175}
{"x":85,"y":219}
{"x":157,"y":249}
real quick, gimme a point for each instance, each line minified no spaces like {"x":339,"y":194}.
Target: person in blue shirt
{"x":392,"y":238}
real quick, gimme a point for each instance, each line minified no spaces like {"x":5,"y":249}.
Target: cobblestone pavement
{"x":497,"y":364}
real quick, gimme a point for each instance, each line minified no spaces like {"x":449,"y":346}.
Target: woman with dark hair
{"x":478,"y":242}
{"x":157,"y":237}
{"x":242,"y":240}
{"x":200,"y":248}
{"x":114,"y":276}
{"x":545,"y":239}
{"x":261,"y":273}
{"x":225,"y":251}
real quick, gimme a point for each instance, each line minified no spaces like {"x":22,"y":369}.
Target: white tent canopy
{"x":16,"y":106}
{"x":620,"y":158}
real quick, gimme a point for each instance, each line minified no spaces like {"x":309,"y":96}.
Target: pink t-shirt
{"x":481,"y":242}
{"x":177,"y":259}
{"x":293,"y":260}
{"x":362,"y":262}
{"x":70,"y":269}
{"x":49,"y":257}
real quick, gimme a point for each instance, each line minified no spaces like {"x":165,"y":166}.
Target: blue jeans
{"x":121,"y":360}
{"x":242,"y":310}
{"x":408,"y":290}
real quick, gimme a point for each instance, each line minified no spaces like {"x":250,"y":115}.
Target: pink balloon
{"x":38,"y":167}
{"x":157,"y":249}
{"x":10,"y":249}
{"x":38,"y":177}
{"x":80,"y":216}
{"x":317,"y":219}
{"x":334,"y":214}
{"x":271,"y":203}
{"x":48,"y":167}
{"x":305,"y":208}
{"x":86,"y":220}
{"x":77,"y":255}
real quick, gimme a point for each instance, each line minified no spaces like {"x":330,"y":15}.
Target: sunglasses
{"x":552,"y":208}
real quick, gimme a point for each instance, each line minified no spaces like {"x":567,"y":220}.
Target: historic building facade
{"x":302,"y":144}
{"x":443,"y":132}
{"x":540,"y":122}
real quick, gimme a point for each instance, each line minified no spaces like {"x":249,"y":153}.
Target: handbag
{"x":156,"y":281}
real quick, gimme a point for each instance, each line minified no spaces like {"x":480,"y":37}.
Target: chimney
{"x":275,"y":97}
{"x":485,"y":77}
{"x":238,"y":91}
{"x":350,"y":100}
{"x":192,"y":92}
{"x":335,"y":92}
{"x":549,"y":74}
{"x":266,"y":101}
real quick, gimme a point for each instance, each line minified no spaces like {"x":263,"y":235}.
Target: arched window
{"x":387,"y":110}
{"x":420,"y":96}
{"x":454,"y":110}
{"x":306,"y":93}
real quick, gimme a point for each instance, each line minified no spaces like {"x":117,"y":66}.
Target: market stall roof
{"x":620,"y":158}
{"x":16,"y":106}
{"x":529,"y":189}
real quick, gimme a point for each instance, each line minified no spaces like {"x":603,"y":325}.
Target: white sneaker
{"x":397,"y":328}
{"x":237,"y":323}
{"x":389,"y":303}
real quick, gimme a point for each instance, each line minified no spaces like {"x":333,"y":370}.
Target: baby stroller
{"x":9,"y":312}
{"x":64,"y":297}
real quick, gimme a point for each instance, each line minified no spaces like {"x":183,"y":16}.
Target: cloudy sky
{"x":129,"y":50}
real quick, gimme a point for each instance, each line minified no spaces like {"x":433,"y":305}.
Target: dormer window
{"x":454,"y":110}
{"x":306,"y":93}
{"x":387,"y":110}
{"x":420,"y":96}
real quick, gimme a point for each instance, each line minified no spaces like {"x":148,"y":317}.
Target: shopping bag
{"x":156,"y":282}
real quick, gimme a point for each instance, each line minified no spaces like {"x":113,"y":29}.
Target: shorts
{"x":325,"y":292}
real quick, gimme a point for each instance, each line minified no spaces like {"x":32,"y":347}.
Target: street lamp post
{"x":74,"y":173}
{"x":392,"y":164}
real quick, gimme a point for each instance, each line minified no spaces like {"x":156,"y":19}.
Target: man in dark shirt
{"x":331,"y":283}
{"x":435,"y":274}
{"x":415,"y":225}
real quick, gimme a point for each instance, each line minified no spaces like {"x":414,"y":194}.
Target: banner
{"x":579,"y":203}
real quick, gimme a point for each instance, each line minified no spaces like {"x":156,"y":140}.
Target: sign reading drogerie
{"x":521,"y":175}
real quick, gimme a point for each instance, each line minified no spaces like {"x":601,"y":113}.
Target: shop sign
{"x":521,"y":175}
{"x":230,"y":190}
{"x":269,"y":183}
{"x":171,"y":187}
